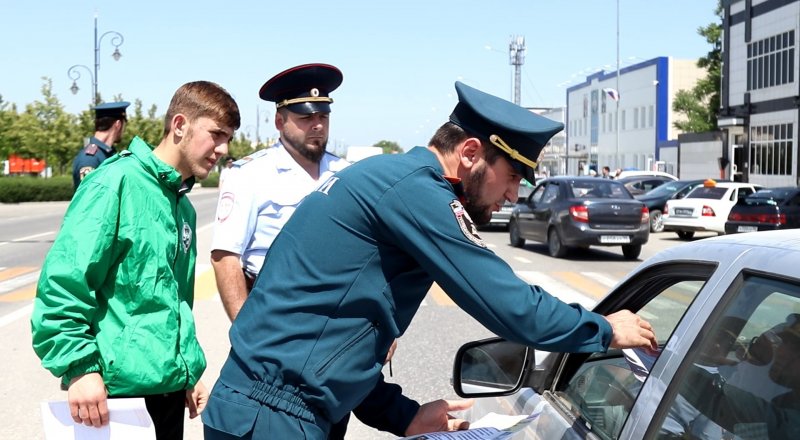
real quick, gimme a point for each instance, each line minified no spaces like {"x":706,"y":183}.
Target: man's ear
{"x":470,"y":151}
{"x":279,"y":121}
{"x":179,"y":125}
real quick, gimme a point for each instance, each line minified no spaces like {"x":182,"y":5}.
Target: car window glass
{"x":741,"y":379}
{"x":536,"y":196}
{"x":598,"y":189}
{"x":707,"y":192}
{"x":604,"y":387}
{"x":550,"y":193}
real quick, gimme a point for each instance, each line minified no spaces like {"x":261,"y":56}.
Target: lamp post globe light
{"x":74,"y":72}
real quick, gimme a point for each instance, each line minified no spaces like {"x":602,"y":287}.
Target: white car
{"x":726,"y":313}
{"x":706,"y":208}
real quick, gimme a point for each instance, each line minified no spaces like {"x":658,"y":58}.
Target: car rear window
{"x":767,"y":197}
{"x":599,"y":189}
{"x":706,"y":192}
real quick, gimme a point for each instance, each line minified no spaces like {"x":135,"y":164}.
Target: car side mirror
{"x":490,"y":367}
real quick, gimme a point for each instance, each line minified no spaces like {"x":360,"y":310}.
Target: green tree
{"x":147,"y":126}
{"x":701,"y":104}
{"x":240,"y":146}
{"x":46,"y":131}
{"x":389,"y":147}
{"x":8,"y":140}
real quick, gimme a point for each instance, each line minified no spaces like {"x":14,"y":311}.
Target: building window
{"x":642,"y":118}
{"x":604,"y":117}
{"x":771,"y":149}
{"x":622,"y":123}
{"x":770,"y":62}
{"x":636,"y":118}
{"x":651,"y":116}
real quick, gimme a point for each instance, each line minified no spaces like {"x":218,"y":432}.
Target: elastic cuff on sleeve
{"x":90,"y":365}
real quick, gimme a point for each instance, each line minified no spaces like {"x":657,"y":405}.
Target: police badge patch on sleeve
{"x":466,"y":224}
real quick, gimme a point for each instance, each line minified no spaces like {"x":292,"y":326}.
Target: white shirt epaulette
{"x":250,"y":157}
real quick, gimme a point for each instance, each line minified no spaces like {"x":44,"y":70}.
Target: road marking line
{"x":30,"y":237}
{"x":601,"y":278}
{"x":20,"y":281}
{"x":585,"y":285}
{"x":439,"y":297}
{"x":15,"y":315}
{"x":205,"y":282}
{"x":557,"y":288}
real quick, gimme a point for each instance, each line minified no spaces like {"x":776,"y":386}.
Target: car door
{"x":524,"y":214}
{"x":544,"y":211}
{"x":739,"y":378}
{"x":578,"y":396}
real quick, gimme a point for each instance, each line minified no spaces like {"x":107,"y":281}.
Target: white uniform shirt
{"x":257,"y":198}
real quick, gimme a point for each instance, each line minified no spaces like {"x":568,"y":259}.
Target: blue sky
{"x":399,"y":58}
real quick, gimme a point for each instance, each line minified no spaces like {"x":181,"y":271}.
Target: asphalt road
{"x":422,"y":364}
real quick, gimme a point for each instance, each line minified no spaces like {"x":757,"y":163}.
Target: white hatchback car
{"x":726,"y":313}
{"x":706,"y":208}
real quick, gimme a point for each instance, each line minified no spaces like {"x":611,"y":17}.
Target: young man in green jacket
{"x":113,"y":309}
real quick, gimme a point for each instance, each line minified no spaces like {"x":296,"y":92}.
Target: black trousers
{"x":167,"y":411}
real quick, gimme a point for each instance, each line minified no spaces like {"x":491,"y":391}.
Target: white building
{"x":636,"y":131}
{"x":760,"y":97}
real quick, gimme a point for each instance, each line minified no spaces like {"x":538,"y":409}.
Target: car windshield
{"x":598,"y":189}
{"x":707,"y":192}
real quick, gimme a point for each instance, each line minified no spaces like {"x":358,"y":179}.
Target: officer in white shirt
{"x":262,"y":190}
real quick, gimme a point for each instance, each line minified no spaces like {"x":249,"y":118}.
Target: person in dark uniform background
{"x":347,"y":273}
{"x":109,"y":124}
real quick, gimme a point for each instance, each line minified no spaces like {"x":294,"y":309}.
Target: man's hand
{"x":631,"y":331}
{"x":196,"y":399}
{"x":87,"y":396}
{"x":434,"y":416}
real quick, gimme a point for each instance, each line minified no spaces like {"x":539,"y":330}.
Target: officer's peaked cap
{"x":520,"y":133}
{"x":303,"y":89}
{"x":111,"y":109}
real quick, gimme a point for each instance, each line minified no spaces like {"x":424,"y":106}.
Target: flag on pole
{"x":612,"y":93}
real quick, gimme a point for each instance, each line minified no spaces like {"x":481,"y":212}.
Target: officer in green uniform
{"x":347,"y":273}
{"x":109,"y":124}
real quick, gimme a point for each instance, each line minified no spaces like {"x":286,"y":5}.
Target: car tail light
{"x":770,"y":219}
{"x":579,"y":213}
{"x":645,"y":215}
{"x":666,"y":210}
{"x":708,"y":212}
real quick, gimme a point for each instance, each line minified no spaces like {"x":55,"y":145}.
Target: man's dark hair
{"x":104,"y":123}
{"x":449,"y":135}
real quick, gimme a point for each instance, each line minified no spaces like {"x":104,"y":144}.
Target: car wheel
{"x":685,"y":235}
{"x":631,"y":251}
{"x":514,"y":236}
{"x":554,"y":245}
{"x":656,"y":221}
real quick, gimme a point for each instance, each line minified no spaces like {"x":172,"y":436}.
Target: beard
{"x":313,"y":153}
{"x":480,"y":213}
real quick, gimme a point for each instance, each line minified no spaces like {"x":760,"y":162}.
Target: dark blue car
{"x":764,"y":210}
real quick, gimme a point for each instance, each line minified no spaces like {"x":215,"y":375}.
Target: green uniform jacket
{"x":116,"y":290}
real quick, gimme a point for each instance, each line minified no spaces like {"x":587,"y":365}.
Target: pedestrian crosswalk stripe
{"x":523,"y":260}
{"x":205,"y":285}
{"x":601,"y":278}
{"x":556,"y":288}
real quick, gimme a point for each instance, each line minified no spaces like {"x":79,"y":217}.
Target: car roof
{"x":729,"y":247}
{"x":631,"y":173}
{"x":578,"y":178}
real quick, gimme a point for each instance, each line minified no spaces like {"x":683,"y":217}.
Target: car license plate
{"x":683,"y":211}
{"x":615,"y":239}
{"x":747,"y":229}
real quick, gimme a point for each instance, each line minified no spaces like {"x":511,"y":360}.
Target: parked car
{"x":500,"y":218}
{"x":641,"y":184}
{"x":570,"y":211}
{"x":725,"y":313}
{"x":705,"y":208}
{"x":657,"y":198}
{"x":629,"y":173}
{"x":764,"y":210}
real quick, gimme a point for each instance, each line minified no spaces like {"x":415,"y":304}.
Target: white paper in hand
{"x":128,"y":418}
